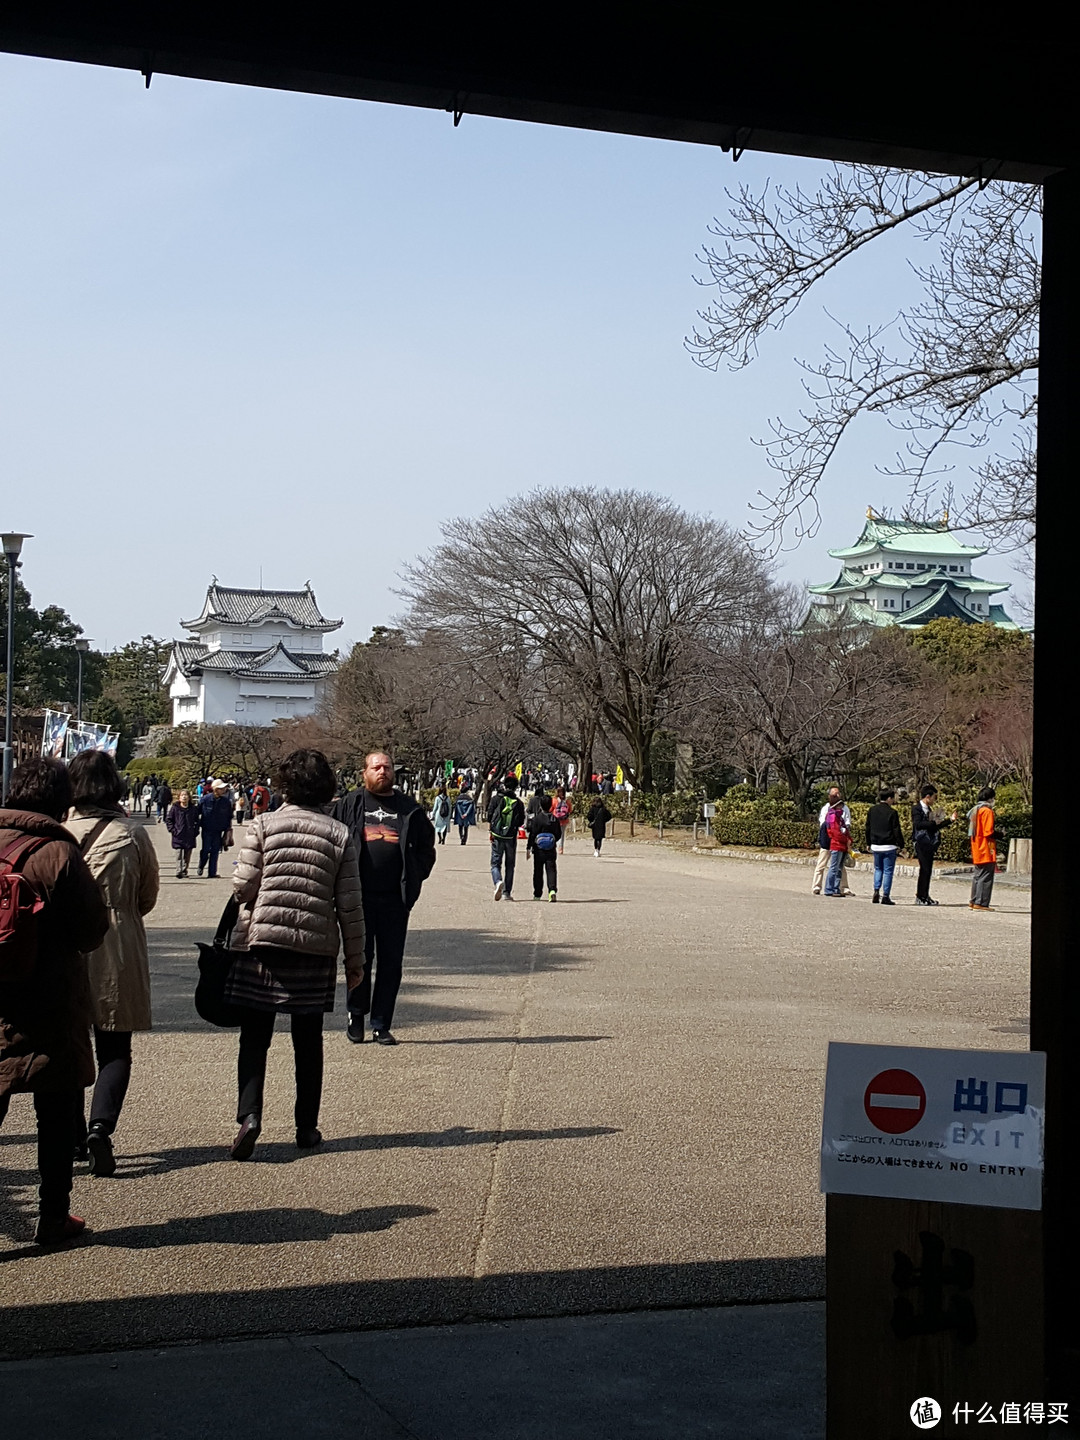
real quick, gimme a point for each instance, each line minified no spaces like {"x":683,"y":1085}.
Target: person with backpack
{"x":834,"y":796}
{"x":597,"y":821}
{"x":51,"y":917}
{"x":440,"y":814}
{"x":884,"y":840}
{"x":838,"y":830}
{"x":984,"y":838}
{"x":464,"y":815}
{"x":396,"y":847}
{"x":543,"y":832}
{"x":562,"y":808}
{"x":506,"y":816}
{"x":123,"y":861}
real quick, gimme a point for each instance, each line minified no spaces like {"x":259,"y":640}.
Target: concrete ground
{"x":608,"y":1104}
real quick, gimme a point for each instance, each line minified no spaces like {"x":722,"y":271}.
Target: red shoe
{"x":53,"y":1232}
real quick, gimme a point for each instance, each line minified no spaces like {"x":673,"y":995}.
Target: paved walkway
{"x":608,"y":1104}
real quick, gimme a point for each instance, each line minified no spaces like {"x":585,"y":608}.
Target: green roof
{"x":909,"y":537}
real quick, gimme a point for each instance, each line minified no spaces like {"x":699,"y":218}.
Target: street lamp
{"x":12,"y":549}
{"x":81,"y":646}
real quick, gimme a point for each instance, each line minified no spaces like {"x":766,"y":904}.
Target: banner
{"x":111,"y":742}
{"x":55,"y":733}
{"x":618,"y":775}
{"x":80,"y":737}
{"x":518,"y":768}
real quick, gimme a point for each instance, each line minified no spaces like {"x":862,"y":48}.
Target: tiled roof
{"x":226,"y":605}
{"x":909,"y":537}
{"x":190,"y":656}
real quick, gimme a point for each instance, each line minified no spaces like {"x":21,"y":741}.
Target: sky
{"x":278,"y":338}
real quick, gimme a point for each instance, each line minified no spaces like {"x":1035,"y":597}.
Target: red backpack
{"x":20,"y":905}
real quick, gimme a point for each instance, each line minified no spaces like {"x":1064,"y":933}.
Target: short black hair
{"x":510,"y":783}
{"x":925,"y":790}
{"x":884,"y":795}
{"x":545,"y":802}
{"x":305,"y":778}
{"x":43,"y":786}
{"x":95,"y":780}
{"x":987,"y":794}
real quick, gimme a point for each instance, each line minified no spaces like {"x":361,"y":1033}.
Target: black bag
{"x":215,"y":963}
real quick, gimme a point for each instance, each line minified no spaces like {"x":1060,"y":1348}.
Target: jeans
{"x":113,"y":1051}
{"x":386,"y":923}
{"x":503,"y":853}
{"x":836,"y":870}
{"x":208,"y":854}
{"x":256,"y":1032}
{"x":924,"y":851}
{"x":982,"y":883}
{"x":183,"y":860}
{"x":545,"y":860}
{"x":56,"y":1111}
{"x":884,"y":865}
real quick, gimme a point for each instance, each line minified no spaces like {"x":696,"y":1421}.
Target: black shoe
{"x":308,"y":1139}
{"x":102,"y":1159}
{"x":244,"y":1143}
{"x":876,"y":900}
{"x":82,"y":1154}
{"x":200,"y":870}
{"x":886,"y":901}
{"x":355,"y":1029}
{"x":383,"y":1037}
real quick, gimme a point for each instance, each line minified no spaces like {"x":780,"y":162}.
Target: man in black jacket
{"x":395,"y":841}
{"x":927,"y":823}
{"x":884,"y":840}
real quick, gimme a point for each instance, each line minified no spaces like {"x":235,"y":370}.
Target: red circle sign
{"x":895,"y":1101}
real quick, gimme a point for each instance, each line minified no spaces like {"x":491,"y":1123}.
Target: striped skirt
{"x":265,"y":978}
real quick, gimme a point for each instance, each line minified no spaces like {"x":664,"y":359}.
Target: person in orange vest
{"x":984,"y":839}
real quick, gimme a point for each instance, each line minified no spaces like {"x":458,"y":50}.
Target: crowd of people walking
{"x":319,"y":873}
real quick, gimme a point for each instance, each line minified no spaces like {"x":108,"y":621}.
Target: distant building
{"x":256,"y":656}
{"x":904,"y":572}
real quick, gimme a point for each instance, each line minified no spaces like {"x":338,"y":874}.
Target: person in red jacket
{"x":45,"y":1010}
{"x":983,"y":838}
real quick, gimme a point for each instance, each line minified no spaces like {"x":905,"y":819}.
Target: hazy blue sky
{"x":246,"y":331}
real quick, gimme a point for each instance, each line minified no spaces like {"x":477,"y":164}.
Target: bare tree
{"x":957,"y":368}
{"x":810,"y":703}
{"x":578,"y":606}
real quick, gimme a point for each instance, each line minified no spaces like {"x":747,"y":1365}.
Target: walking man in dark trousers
{"x":395,"y":841}
{"x":215,"y":821}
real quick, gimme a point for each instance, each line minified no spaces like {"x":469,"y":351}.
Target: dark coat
{"x":45,"y":1022}
{"x":417,"y":838}
{"x":599,"y":815}
{"x":926,"y":831}
{"x":543,"y":822}
{"x":883,"y":826}
{"x":215,"y":815}
{"x":183,"y":825}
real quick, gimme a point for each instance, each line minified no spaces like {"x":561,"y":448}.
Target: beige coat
{"x":123,"y":862}
{"x":298,"y":881}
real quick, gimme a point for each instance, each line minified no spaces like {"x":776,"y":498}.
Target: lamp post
{"x":12,"y":549}
{"x":81,"y":647}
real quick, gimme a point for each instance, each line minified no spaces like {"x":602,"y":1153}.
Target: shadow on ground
{"x":430,"y":956}
{"x":74,"y":1326}
{"x":246,"y":1227}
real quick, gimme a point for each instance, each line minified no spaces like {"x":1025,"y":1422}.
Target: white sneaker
{"x":499,"y":890}
{"x":596,"y":854}
{"x":817,"y":889}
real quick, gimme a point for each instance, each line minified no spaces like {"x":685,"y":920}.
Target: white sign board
{"x":956,"y":1125}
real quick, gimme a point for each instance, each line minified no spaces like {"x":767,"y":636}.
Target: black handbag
{"x":215,"y":965}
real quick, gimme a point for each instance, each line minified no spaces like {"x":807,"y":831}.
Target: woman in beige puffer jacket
{"x":298,"y":883}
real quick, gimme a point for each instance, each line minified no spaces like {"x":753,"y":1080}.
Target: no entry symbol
{"x":895,"y":1101}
